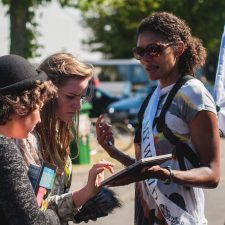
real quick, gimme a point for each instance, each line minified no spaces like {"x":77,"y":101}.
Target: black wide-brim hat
{"x":18,"y":75}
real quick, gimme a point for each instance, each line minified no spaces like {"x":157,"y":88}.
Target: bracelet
{"x":170,"y":178}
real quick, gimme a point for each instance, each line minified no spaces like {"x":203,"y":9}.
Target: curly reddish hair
{"x":27,"y":101}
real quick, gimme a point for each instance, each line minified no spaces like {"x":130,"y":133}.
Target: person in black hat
{"x":17,"y":75}
{"x":23,"y":92}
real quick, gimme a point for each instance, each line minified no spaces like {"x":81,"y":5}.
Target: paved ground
{"x":214,"y":199}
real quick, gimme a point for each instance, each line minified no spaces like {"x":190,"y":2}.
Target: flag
{"x":219,"y":86}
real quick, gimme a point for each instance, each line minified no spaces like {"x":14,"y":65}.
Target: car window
{"x":108,"y":73}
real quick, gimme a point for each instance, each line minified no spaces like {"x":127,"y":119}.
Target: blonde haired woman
{"x":71,"y":77}
{"x":52,"y":137}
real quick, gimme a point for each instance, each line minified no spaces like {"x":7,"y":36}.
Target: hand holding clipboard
{"x":137,"y":171}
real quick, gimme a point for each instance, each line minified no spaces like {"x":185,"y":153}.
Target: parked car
{"x":128,"y":108}
{"x":119,"y":77}
{"x":100,"y":101}
{"x":117,"y":80}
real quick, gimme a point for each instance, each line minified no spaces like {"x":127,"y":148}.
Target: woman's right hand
{"x":104,"y":134}
{"x":106,"y":140}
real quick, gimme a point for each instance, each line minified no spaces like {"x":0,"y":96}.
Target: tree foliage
{"x":114,"y":24}
{"x":23,"y":27}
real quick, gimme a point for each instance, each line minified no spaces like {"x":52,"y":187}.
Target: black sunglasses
{"x":152,"y":50}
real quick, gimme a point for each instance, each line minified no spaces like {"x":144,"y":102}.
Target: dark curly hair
{"x":27,"y":101}
{"x":174,"y":29}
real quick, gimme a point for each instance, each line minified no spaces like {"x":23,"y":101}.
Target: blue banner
{"x":219,"y":87}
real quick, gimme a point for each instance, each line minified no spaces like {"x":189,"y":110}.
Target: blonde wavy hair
{"x":56,"y":135}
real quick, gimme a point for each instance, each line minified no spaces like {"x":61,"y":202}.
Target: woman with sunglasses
{"x":50,"y":140}
{"x":172,"y":194}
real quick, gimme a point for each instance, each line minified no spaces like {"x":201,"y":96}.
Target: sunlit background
{"x":60,"y":30}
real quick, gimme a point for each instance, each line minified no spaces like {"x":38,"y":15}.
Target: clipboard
{"x":135,"y":168}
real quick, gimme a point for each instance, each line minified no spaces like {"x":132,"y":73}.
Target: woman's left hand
{"x":96,"y":176}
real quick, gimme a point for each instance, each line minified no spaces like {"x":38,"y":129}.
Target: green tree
{"x":23,"y":27}
{"x":114,"y":24}
{"x":207,"y":20}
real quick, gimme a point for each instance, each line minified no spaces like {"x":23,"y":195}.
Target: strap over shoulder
{"x":180,"y":82}
{"x":182,"y":150}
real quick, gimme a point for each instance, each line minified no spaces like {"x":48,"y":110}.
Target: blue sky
{"x":60,"y":31}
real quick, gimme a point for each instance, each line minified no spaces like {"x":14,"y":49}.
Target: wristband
{"x":170,"y":178}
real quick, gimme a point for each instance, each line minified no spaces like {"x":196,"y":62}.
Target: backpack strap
{"x":180,"y":82}
{"x":182,"y":150}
